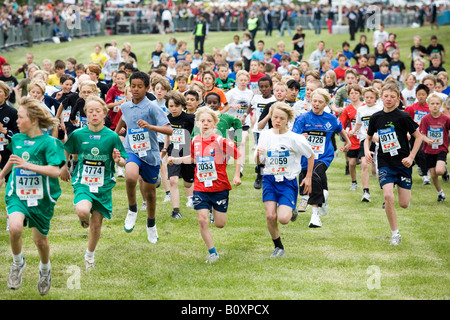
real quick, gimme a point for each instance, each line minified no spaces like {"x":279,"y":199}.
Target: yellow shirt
{"x":98,"y":58}
{"x":53,"y":80}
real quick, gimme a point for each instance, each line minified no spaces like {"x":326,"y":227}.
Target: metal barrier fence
{"x":137,"y":22}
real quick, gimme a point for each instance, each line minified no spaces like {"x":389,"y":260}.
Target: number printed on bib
{"x":139,"y":141}
{"x":93,"y":174}
{"x":206,"y":170}
{"x":388,"y":141}
{"x":29,"y":186}
{"x":278,"y":162}
{"x":177,"y":137}
{"x":437,"y":136}
{"x":3,"y":141}
{"x":316,"y":140}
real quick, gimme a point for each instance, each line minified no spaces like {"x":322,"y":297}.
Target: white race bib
{"x":29,"y":186}
{"x":278,"y":162}
{"x":437,"y":135}
{"x":206,"y":170}
{"x":316,"y":140}
{"x":139,"y":141}
{"x":389,"y":141}
{"x":93,"y":174}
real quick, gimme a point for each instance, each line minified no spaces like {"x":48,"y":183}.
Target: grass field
{"x":349,"y":258}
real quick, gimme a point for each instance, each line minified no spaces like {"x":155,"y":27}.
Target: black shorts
{"x":353,"y":153}
{"x":245,"y":128}
{"x":361,"y":149}
{"x":432,"y":159}
{"x":185,"y":171}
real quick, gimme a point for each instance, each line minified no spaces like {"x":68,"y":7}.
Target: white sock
{"x":89,"y":254}
{"x":441,"y":192}
{"x":44,"y":267}
{"x":394,"y":232}
{"x":18,"y":259}
{"x":315,"y":210}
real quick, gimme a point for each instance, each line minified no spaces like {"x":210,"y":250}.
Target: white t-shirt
{"x":363,"y":115}
{"x":419,"y":77}
{"x":409,"y":96}
{"x":234,"y":51}
{"x":283,"y":153}
{"x":258,"y":104}
{"x":379,"y":36}
{"x":241,"y":97}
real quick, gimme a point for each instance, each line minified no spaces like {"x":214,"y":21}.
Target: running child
{"x":363,"y":115}
{"x":394,"y":158}
{"x":348,"y":118}
{"x":33,"y":188}
{"x":434,"y":128}
{"x":209,"y":152}
{"x":93,"y":177}
{"x":417,"y":111}
{"x":318,"y":127}
{"x":143,"y":120}
{"x":281,"y":150}
{"x":177,"y":145}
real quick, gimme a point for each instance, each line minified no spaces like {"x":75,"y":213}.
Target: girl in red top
{"x":348,"y":117}
{"x":434,"y":128}
{"x":417,"y":111}
{"x":116,"y":97}
{"x":209,"y":152}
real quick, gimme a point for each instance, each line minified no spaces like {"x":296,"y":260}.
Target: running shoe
{"x":315,"y":221}
{"x":89,"y":263}
{"x":426,"y":180}
{"x":365,"y":197}
{"x":213,"y":257}
{"x":130,"y":221}
{"x":258,"y":183}
{"x":167,"y":198}
{"x":144,"y":206}
{"x":445,"y":176}
{"x":441,"y":198}
{"x":190,"y":202}
{"x":44,"y":283}
{"x":303,"y":204}
{"x":176,"y":215}
{"x":120,"y":172}
{"x":152,"y":234}
{"x":277,"y":253}
{"x":294,"y":215}
{"x":211,"y":217}
{"x":395,"y":240}
{"x":15,"y":275}
{"x":353,"y":186}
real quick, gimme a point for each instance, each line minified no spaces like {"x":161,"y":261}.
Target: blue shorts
{"x":283,"y":193}
{"x":147,"y":172}
{"x":208,"y":200}
{"x":400,"y":176}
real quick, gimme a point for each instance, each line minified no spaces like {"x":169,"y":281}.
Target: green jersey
{"x":31,"y":193}
{"x":96,"y":167}
{"x":225,"y":123}
{"x":225,"y":85}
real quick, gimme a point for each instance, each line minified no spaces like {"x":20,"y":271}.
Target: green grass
{"x":332,"y":262}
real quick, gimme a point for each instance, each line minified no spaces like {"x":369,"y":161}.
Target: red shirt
{"x":418,"y":111}
{"x":2,"y":62}
{"x":340,"y":73}
{"x":439,"y":127}
{"x":348,"y":116}
{"x":114,"y":95}
{"x":256,"y":77}
{"x":213,"y":148}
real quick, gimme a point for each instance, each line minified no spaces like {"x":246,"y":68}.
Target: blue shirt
{"x":148,"y":111}
{"x":326,"y":124}
{"x":379,"y":75}
{"x":349,"y":55}
{"x":259,"y":55}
